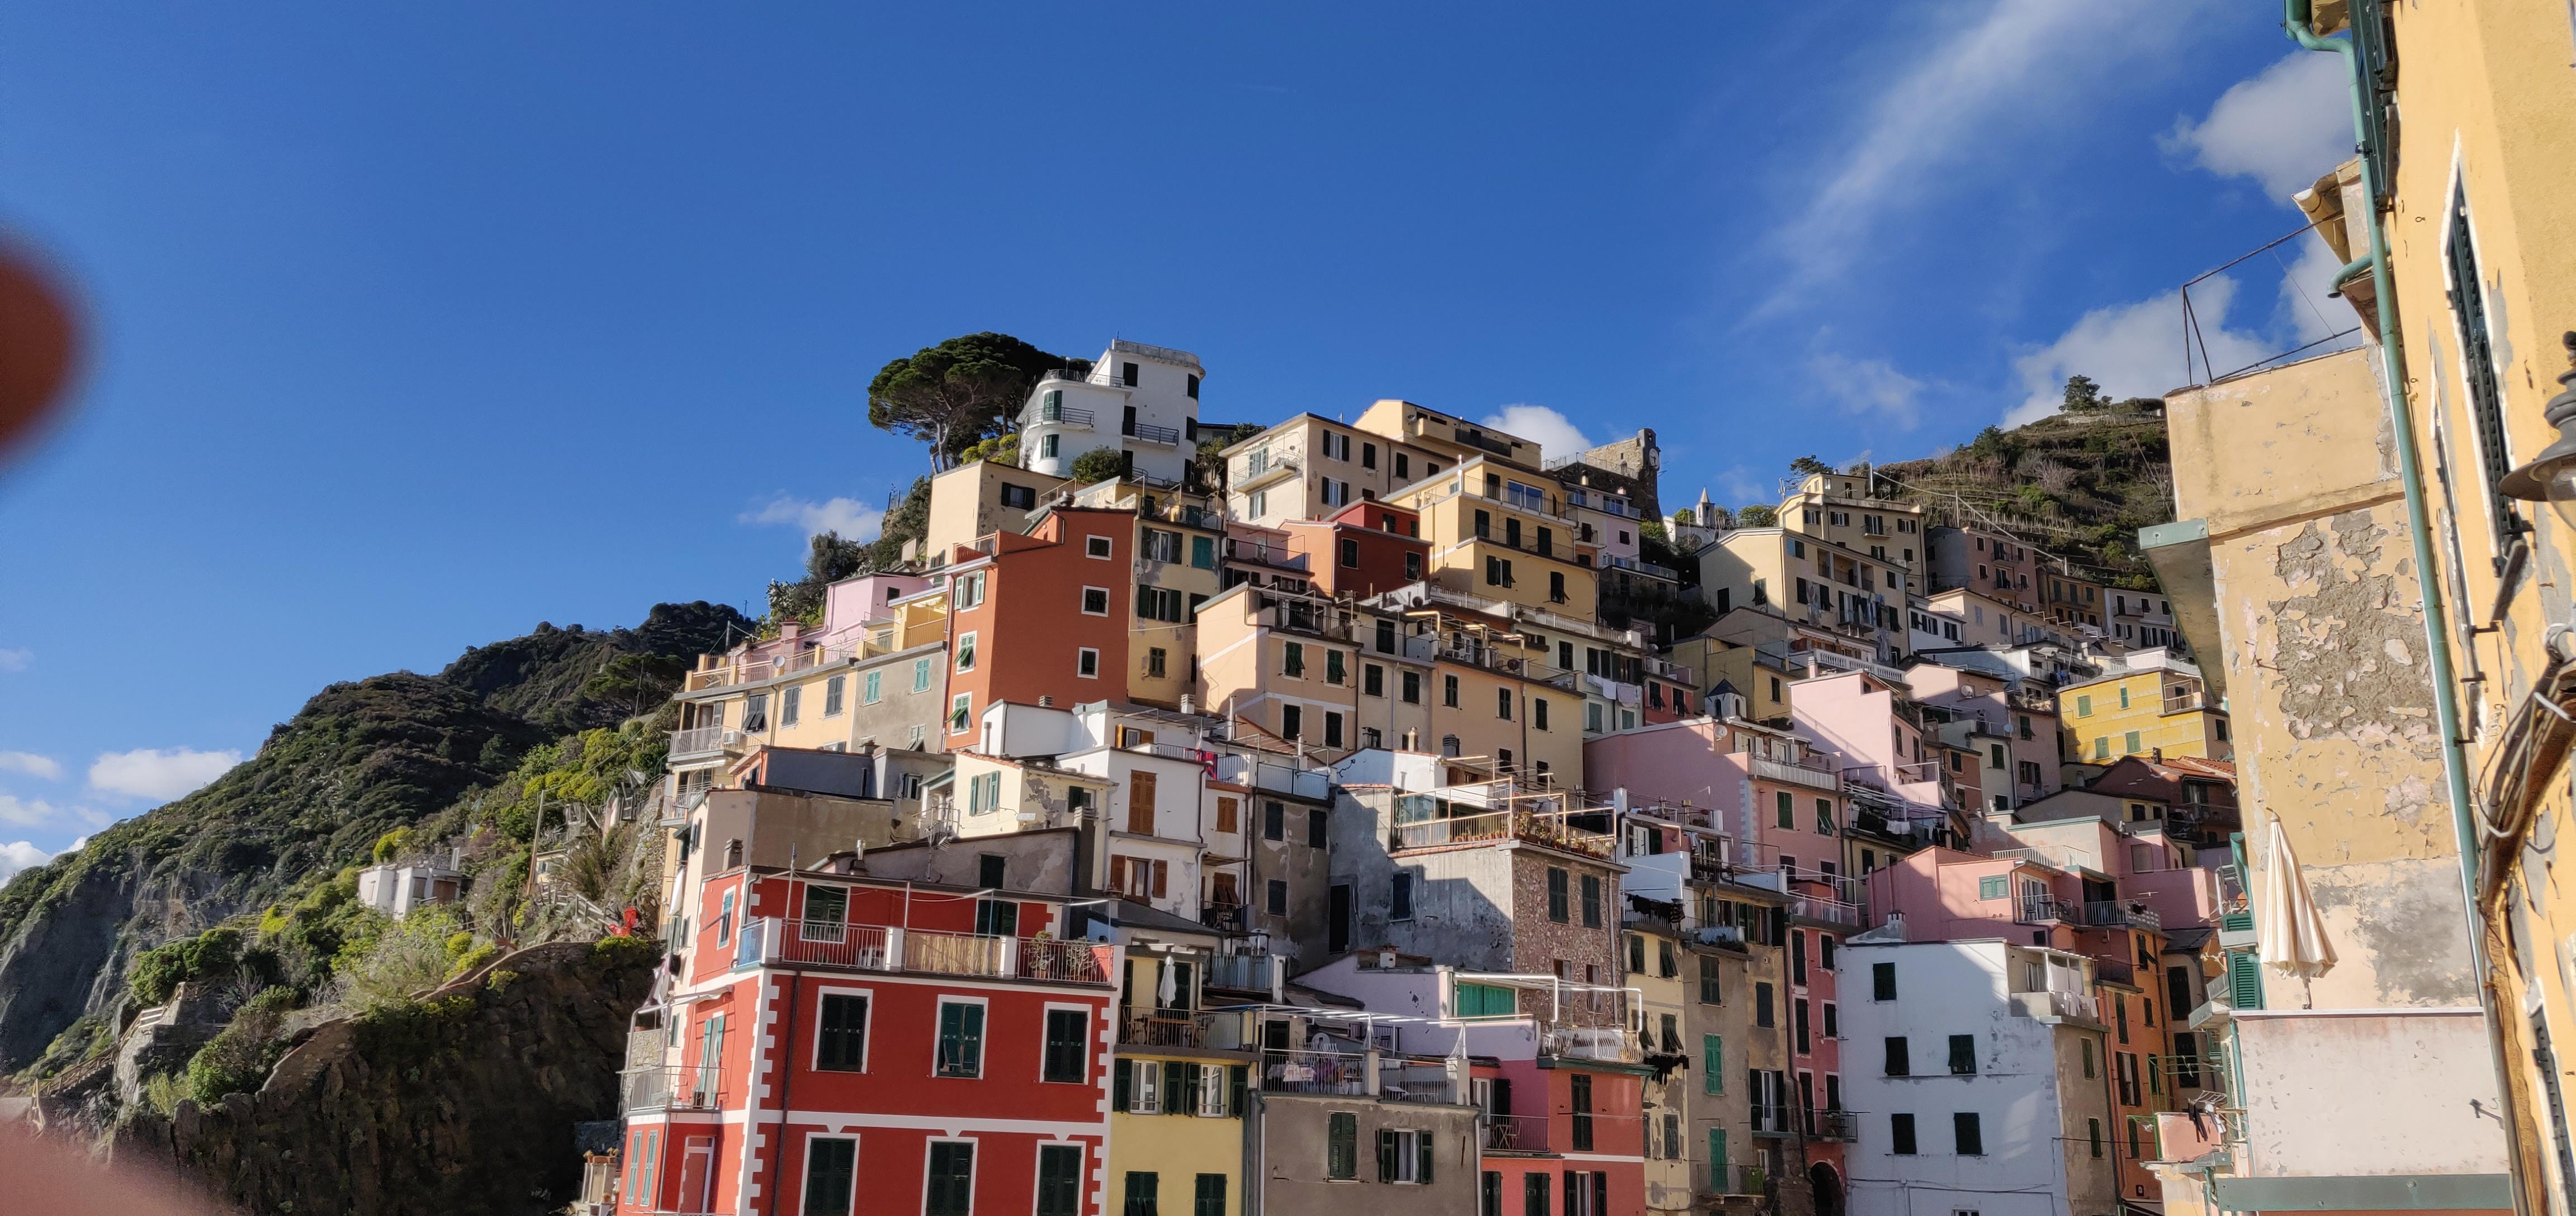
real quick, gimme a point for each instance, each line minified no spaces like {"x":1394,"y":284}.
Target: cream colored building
{"x":972,"y":500}
{"x":1838,"y":508}
{"x":1810,"y":582}
{"x":1309,"y":467}
{"x":1499,"y":532}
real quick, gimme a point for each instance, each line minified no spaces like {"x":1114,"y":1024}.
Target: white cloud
{"x":2022,"y":61}
{"x":1738,"y":486}
{"x":1871,"y":387}
{"x":2283,"y":126}
{"x":1553,"y":432}
{"x":2135,"y":350}
{"x":847,"y":518}
{"x":19,"y":855}
{"x":37,"y":813}
{"x":16,"y":660}
{"x":150,"y":772}
{"x":32,"y":765}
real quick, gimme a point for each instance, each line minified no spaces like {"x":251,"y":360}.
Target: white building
{"x":395,"y":888}
{"x":1976,"y":1070}
{"x":1140,"y":400}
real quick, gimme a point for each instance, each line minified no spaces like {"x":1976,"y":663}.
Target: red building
{"x":932,"y":1047}
{"x":1364,"y":549}
{"x":1571,"y":1128}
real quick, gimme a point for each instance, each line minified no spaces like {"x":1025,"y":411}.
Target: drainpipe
{"x":2446,"y":707}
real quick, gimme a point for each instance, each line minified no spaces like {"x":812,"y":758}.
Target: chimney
{"x":788,"y":630}
{"x":2156,"y":755}
{"x":1046,"y":701}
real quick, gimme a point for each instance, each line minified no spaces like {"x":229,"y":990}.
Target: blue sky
{"x":414,"y":326}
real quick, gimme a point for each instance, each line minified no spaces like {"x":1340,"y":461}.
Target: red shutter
{"x":1118,"y":874}
{"x":1162,"y":870}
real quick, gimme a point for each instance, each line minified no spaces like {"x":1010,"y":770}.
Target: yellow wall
{"x":1179,"y":1148}
{"x":1481,"y":731}
{"x":2100,"y":724}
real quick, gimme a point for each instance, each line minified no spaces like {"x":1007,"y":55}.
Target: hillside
{"x":2079,"y":484}
{"x":357,"y":761}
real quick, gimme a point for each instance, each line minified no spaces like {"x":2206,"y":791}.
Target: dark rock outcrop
{"x":465,"y":1102}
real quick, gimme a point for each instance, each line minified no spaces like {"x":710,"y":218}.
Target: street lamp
{"x":2551,"y":476}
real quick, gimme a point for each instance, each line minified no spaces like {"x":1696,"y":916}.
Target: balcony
{"x":1260,"y":471}
{"x":2115,"y":971}
{"x":1315,"y":1072}
{"x":673,"y":1087}
{"x":1059,"y":415}
{"x":1830,"y":911}
{"x":697,"y":743}
{"x":1532,"y":827}
{"x":2043,"y":909}
{"x":1772,"y":1120}
{"x":1839,"y":1125}
{"x":768,"y":941}
{"x":2122,"y":914}
{"x":1812,"y":770}
{"x":1170,"y":1029}
{"x":1146,"y":432}
{"x":1410,"y":1079}
{"x":2185,"y":702}
{"x":2056,"y":1006}
{"x":1242,"y":972}
{"x":1737,"y":1183}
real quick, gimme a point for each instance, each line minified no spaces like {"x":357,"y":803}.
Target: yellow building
{"x":1283,"y":664}
{"x":1499,"y":532}
{"x":2358,"y":534}
{"x":880,"y":684}
{"x":1811,"y":582}
{"x":1309,"y":467}
{"x":2137,"y":711}
{"x":1653,"y":962}
{"x":1839,"y":509}
{"x":1176,"y":1096}
{"x":1180,"y":546}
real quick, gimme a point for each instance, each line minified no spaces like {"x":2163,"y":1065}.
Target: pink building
{"x":1876,"y":730}
{"x":2027,"y":725}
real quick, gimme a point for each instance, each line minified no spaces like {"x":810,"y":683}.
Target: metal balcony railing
{"x":1833,"y":1125}
{"x":1242,"y":972}
{"x":2115,"y":914}
{"x":1061,"y":415}
{"x":770,"y":941}
{"x":673,"y":1087}
{"x":1146,"y":432}
{"x":1315,"y":1072}
{"x":696,"y":741}
{"x":1176,"y":1029}
{"x":2040,"y":909}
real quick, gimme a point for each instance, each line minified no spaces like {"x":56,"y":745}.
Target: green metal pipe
{"x":2446,"y":706}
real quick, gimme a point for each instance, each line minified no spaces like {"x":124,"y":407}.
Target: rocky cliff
{"x":357,"y":761}
{"x":459,"y":1104}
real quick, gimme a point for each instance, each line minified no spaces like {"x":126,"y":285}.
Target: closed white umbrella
{"x":1168,"y":987}
{"x":2288,"y":929}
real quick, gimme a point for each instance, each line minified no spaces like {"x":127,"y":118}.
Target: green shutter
{"x":1385,"y":1155}
{"x":1123,"y":1093}
{"x":2244,"y":980}
{"x":1422,"y":1158}
{"x":1712,"y":1050}
{"x":1717,"y":1160}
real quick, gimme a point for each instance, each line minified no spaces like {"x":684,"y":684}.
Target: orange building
{"x":1039,"y":616}
{"x":1361,"y":550}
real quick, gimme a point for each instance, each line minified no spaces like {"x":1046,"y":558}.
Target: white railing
{"x":697,"y":740}
{"x":769,"y":941}
{"x":2056,"y":1004}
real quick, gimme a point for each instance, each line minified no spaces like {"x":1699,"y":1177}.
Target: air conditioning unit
{"x":729,"y":739}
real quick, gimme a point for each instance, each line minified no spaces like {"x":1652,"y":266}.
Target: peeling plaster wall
{"x":2322,"y":632}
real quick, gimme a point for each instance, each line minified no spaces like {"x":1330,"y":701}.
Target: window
{"x":1157,"y":662}
{"x":1208,"y":1198}
{"x":1342,"y":1145}
{"x":831,"y":1168}
{"x":921,"y":675}
{"x":1963,"y":1055}
{"x":1900,"y":1135}
{"x":1591,"y":901}
{"x":1318,"y":827}
{"x":1503,"y":704}
{"x":1411,"y":686}
{"x":1142,"y":1193}
{"x":1292,"y":722}
{"x":1068,"y":1039}
{"x":961,"y":1039}
{"x":1556,"y":895}
{"x":1762,"y":1015}
{"x":1788,"y":811}
{"x":1277,"y":895}
{"x":1336,"y":668}
{"x":1882,"y":981}
{"x":833,"y":691}
{"x":1579,"y":1095}
{"x":1096,"y":547}
{"x":1898,"y":1062}
{"x":1095,"y":601}
{"x":1059,"y":1180}
{"x":841,"y":1038}
{"x":966,"y":651}
{"x":1711,"y":992}
{"x":952,"y":1179}
{"x":2102,"y":748}
{"x":2084,"y":705}
{"x":1971,"y":1140}
{"x":1992,"y":887}
{"x":872,"y":688}
{"x":1712,"y":1059}
{"x":1824,"y":816}
{"x":1538,"y":712}
{"x":1400,"y":897}
{"x":2088,"y":1057}
{"x":1404,"y":1156}
{"x":1373,"y":679}
{"x":1048,"y":447}
{"x":2132,"y":744}
{"x":1555,"y":581}
{"x":1274,"y":821}
{"x":1086,"y":663}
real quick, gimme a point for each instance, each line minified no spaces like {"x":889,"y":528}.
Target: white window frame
{"x":947,"y":999}
{"x":962,"y":701}
{"x":1085,"y":602}
{"x":867,"y":1028}
{"x":1037,"y":1167}
{"x":1098,"y":548}
{"x":926,"y":1145}
{"x":1144,"y":1085}
{"x":966,"y":655}
{"x":1090,"y":1038}
{"x":805,"y":1173}
{"x":1086,"y":656}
